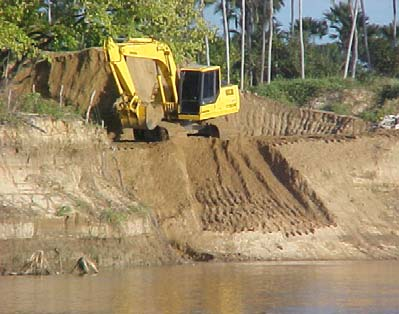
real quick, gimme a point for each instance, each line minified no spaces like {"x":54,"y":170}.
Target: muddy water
{"x":321,"y":287}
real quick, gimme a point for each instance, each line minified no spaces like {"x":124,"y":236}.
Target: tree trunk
{"x":227,"y":39}
{"x":263,"y":57}
{"x":269,"y":56}
{"x":242,"y":44}
{"x":394,"y":23}
{"x":366,"y":40}
{"x":249,"y":24}
{"x":292,"y":18}
{"x":208,"y":60}
{"x":355,"y":46}
{"x":49,"y":12}
{"x":348,"y":55}
{"x":355,"y":53}
{"x":301,"y":40}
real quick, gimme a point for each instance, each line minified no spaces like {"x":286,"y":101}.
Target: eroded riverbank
{"x":68,"y":191}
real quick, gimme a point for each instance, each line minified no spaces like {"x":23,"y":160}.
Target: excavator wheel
{"x":209,"y":130}
{"x":159,"y":134}
{"x":163,"y":134}
{"x":139,"y":135}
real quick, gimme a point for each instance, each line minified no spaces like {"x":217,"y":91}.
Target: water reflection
{"x":329,"y":287}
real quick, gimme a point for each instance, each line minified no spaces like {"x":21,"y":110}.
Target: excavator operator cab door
{"x":198,"y":87}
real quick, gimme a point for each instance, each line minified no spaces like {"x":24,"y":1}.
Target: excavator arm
{"x":134,"y":112}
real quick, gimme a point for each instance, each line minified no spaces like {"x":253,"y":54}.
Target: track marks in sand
{"x":247,"y":193}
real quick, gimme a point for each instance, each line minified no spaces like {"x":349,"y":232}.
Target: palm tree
{"x":394,"y":23}
{"x":269,"y":57}
{"x":366,"y":41}
{"x":312,"y":27}
{"x":354,"y":20}
{"x":301,"y":39}
{"x":208,"y":61}
{"x":292,"y":17}
{"x":266,"y":19}
{"x":264,"y":26}
{"x":242,"y":44}
{"x":227,"y":39}
{"x":355,"y":46}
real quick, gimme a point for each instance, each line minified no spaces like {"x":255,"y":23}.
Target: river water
{"x":297,"y":287}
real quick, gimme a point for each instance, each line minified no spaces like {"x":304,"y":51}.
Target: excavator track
{"x":169,"y":130}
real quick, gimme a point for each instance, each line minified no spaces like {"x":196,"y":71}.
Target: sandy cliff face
{"x":56,"y":196}
{"x":260,"y":198}
{"x":332,"y":197}
{"x":283,"y":183}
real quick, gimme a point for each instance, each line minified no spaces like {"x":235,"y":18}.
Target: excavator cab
{"x":198,"y":87}
{"x":201,"y":96}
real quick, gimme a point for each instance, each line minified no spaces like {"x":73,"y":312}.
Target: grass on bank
{"x":298,"y":93}
{"x":34,"y":103}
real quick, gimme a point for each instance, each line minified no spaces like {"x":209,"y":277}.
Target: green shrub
{"x":298,"y":92}
{"x":338,"y":108}
{"x":388,"y":92}
{"x":112,"y":216}
{"x":64,"y":210}
{"x":34,"y":103}
{"x":138,"y":208}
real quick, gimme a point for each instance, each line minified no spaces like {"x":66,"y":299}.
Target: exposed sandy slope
{"x":296,"y":184}
{"x":56,"y":195}
{"x":295,"y":198}
{"x":260,"y":116}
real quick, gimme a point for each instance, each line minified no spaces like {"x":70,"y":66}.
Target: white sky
{"x":378,"y":11}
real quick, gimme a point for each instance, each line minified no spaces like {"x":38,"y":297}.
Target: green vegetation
{"x":298,"y":92}
{"x":137,"y":208}
{"x":64,"y":210}
{"x":34,"y":103}
{"x":113,"y":217}
{"x":29,"y":26}
{"x":118,"y":216}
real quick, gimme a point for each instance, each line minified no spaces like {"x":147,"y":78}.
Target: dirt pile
{"x":259,"y":116}
{"x":257,"y":198}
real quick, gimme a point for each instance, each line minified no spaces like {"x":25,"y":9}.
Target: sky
{"x":378,"y":11}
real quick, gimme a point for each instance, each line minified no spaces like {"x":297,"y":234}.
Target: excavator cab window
{"x":197,"y":88}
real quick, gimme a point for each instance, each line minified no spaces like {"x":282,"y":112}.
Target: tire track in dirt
{"x":246,"y":193}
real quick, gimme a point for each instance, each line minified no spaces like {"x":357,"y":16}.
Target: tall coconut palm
{"x":208,"y":61}
{"x":301,"y":39}
{"x":269,"y":56}
{"x":227,"y":39}
{"x":292,"y":17}
{"x":264,"y":26}
{"x":354,"y":21}
{"x":355,"y":53}
{"x":394,"y":22}
{"x":365,"y":30}
{"x":242,"y":44}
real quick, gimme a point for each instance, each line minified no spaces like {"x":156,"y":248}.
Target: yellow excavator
{"x":156,"y":99}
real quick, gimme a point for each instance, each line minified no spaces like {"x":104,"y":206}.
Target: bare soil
{"x":282,"y":183}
